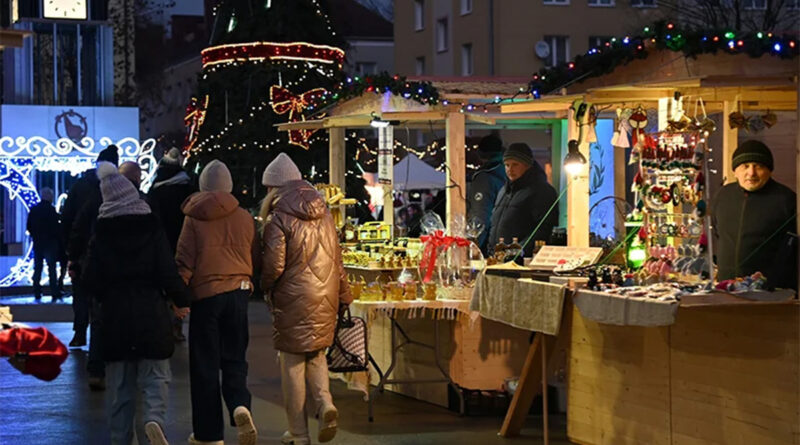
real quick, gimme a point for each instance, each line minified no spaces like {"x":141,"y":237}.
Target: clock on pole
{"x":65,"y":9}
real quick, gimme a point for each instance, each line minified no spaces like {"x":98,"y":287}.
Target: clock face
{"x":65,"y":9}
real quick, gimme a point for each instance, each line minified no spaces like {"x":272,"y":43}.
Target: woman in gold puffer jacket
{"x":304,"y":283}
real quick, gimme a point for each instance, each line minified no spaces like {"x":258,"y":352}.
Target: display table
{"x":726,"y":372}
{"x":476,"y":353}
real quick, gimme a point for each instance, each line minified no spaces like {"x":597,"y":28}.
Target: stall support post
{"x":558,"y":141}
{"x":730,"y":139}
{"x":578,"y":192}
{"x":386,"y":172}
{"x":456,"y":180}
{"x":336,"y":157}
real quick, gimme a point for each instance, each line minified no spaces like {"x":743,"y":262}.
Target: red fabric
{"x":42,"y":351}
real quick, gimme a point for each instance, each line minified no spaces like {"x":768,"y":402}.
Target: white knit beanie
{"x":216,"y":178}
{"x":120,"y":196}
{"x":280,"y":171}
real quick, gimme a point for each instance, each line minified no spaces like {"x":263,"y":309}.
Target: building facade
{"x":508,"y":37}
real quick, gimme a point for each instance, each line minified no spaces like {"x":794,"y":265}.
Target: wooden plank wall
{"x":717,"y":376}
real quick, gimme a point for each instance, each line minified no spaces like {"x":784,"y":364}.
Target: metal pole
{"x":55,"y":64}
{"x":79,"y":46}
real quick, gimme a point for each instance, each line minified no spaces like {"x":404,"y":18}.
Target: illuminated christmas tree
{"x":269,"y":62}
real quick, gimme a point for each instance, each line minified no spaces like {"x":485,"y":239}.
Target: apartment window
{"x":419,"y":68}
{"x":644,"y":3}
{"x":556,"y":2}
{"x":606,"y":3}
{"x":363,"y":68}
{"x":419,"y":15}
{"x":466,"y":7}
{"x":441,"y":35}
{"x":559,"y":50}
{"x":598,"y":41}
{"x":755,"y":4}
{"x":466,"y":59}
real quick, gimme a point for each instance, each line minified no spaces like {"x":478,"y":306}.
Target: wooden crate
{"x":719,"y":375}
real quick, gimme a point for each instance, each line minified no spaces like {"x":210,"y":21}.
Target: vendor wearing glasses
{"x":754,"y":221}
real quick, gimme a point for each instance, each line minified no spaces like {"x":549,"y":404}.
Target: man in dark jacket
{"x":523,"y":203}
{"x":130,"y":276}
{"x":45,"y":232}
{"x":84,"y":193}
{"x":486,"y":184}
{"x":170,"y":189}
{"x":754,"y":220}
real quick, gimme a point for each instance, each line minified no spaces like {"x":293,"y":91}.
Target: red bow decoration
{"x":284,"y":101}
{"x":432,"y":243}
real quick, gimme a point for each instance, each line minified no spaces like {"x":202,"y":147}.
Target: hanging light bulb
{"x":574,"y":161}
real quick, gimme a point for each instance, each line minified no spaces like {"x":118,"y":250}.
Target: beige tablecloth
{"x":625,"y":311}
{"x":522,"y":303}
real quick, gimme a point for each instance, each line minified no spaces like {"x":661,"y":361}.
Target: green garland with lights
{"x":662,"y":35}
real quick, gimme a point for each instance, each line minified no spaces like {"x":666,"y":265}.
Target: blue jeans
{"x":124,"y":380}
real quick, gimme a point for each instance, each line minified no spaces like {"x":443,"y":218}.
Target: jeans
{"x":40,"y":254}
{"x":124,"y":381}
{"x":298,"y":372}
{"x":218,"y":337}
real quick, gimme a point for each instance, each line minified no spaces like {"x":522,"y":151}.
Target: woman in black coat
{"x":132,"y":273}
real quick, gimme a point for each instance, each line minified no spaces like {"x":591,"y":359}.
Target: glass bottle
{"x":514,"y":249}
{"x":500,"y":250}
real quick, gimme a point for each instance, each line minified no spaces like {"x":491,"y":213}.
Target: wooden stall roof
{"x":357,"y":112}
{"x":767,"y":82}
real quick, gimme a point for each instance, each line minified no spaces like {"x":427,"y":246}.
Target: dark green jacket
{"x":754,"y":231}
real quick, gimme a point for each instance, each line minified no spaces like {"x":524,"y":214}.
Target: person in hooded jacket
{"x":486,"y":184}
{"x":86,"y":191}
{"x":523,"y":203}
{"x":217,"y":253}
{"x":305,"y":284}
{"x":170,"y":189}
{"x":129,"y":277}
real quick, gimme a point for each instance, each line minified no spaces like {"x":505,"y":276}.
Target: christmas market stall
{"x":415,"y":292}
{"x":659,"y":351}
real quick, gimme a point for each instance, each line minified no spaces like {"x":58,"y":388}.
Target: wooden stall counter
{"x":726,"y":372}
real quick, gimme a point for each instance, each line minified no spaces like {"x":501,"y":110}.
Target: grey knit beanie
{"x":519,"y":151}
{"x":172,"y":157}
{"x":280,"y":171}
{"x":216,"y":178}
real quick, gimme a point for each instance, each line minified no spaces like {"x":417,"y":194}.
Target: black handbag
{"x":349,"y":351}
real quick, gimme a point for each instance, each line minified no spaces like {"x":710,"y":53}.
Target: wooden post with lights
{"x":336,"y":157}
{"x":730,"y":139}
{"x":456,"y":180}
{"x":578,"y":189}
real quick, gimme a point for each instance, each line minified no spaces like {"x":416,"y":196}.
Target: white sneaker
{"x":155,"y":434}
{"x":290,"y":439}
{"x":244,"y":423}
{"x":193,"y":441}
{"x":327,"y":423}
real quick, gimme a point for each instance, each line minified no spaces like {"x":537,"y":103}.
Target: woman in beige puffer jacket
{"x":305,"y":284}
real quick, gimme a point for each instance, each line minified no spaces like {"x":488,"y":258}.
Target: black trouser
{"x":40,"y":254}
{"x":81,"y":302}
{"x":218,"y":337}
{"x":95,"y":365}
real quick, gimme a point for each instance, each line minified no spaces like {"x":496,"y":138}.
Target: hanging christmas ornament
{"x":591,"y":121}
{"x":638,"y":122}
{"x":769,"y":119}
{"x":195,"y":116}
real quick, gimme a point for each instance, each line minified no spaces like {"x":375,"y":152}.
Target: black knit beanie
{"x":519,"y":151}
{"x":753,"y":151}
{"x":490,"y":145}
{"x":109,"y":154}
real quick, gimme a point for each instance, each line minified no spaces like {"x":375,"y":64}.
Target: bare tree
{"x":739,"y":15}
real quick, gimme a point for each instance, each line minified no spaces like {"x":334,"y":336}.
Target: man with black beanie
{"x":754,"y":221}
{"x":486,"y":184}
{"x":524,"y":201}
{"x":78,"y":217}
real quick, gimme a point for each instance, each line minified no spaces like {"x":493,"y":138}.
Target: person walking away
{"x":523,"y":202}
{"x":129,"y":276}
{"x":45,"y":231}
{"x":85,"y":191}
{"x":305,"y":285}
{"x":216,"y":254}
{"x":171,"y":187}
{"x":754,"y":221}
{"x":485,"y":186}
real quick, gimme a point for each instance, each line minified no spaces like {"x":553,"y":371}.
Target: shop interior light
{"x":377,"y":122}
{"x":574,"y":161}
